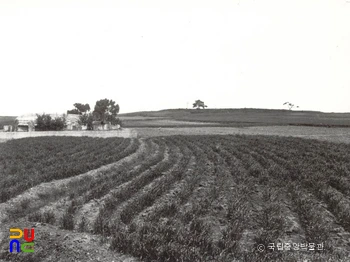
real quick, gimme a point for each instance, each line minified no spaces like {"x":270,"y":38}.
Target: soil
{"x":51,"y":242}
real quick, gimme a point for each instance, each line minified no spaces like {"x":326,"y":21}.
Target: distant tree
{"x":198,"y":104}
{"x":82,"y":108}
{"x":290,"y":105}
{"x":86,"y":119}
{"x":58,"y":123}
{"x":79,"y":109}
{"x":73,"y":111}
{"x":106,"y":111}
{"x":15,"y":125}
{"x":45,"y":122}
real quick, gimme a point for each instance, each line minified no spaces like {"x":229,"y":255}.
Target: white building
{"x":26,"y":123}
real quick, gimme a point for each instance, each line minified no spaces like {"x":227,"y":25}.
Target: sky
{"x":153,"y":55}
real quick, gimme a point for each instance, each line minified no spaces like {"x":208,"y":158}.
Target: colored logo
{"x":28,"y":246}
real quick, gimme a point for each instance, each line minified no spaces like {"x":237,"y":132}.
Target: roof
{"x":30,"y":117}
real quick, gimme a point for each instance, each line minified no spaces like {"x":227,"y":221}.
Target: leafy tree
{"x":46,"y":123}
{"x":59,"y":123}
{"x":106,"y":111}
{"x":86,"y":119}
{"x":73,"y":111}
{"x":79,"y":109}
{"x":82,"y":108}
{"x":15,"y":125}
{"x":43,"y":122}
{"x":198,"y":104}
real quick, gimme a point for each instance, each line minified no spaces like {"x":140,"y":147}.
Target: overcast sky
{"x":152,"y":55}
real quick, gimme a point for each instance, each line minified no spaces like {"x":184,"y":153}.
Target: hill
{"x":240,"y":117}
{"x":225,"y":117}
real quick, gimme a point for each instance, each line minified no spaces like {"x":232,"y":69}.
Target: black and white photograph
{"x":174,"y":131}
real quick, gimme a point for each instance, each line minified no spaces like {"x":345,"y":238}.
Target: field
{"x":234,"y":118}
{"x":244,"y":117}
{"x":177,"y":198}
{"x":339,"y":135}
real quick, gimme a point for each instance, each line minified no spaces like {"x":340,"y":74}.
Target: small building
{"x":26,"y":123}
{"x":115,"y":127}
{"x":72,"y":122}
{"x":8,"y":128}
{"x":99,"y":125}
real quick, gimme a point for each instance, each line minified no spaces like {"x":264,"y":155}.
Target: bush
{"x":46,"y":123}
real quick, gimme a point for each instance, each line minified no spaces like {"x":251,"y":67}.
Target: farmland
{"x":25,"y":164}
{"x":177,"y":198}
{"x":240,"y":117}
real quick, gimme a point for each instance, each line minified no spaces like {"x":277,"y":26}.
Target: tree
{"x":57,"y":124}
{"x":106,"y":111}
{"x":43,"y":122}
{"x":79,"y":109}
{"x":46,"y":123}
{"x":290,"y":105}
{"x":15,"y":125}
{"x":73,"y":111}
{"x":198,"y":104}
{"x":86,"y":119}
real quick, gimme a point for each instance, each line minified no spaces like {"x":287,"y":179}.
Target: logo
{"x":28,"y":246}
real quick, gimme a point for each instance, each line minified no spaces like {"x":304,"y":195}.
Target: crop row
{"x":26,"y":164}
{"x":214,"y":198}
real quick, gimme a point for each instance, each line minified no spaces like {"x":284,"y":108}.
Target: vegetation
{"x":290,"y":105}
{"x":25,"y":163}
{"x":194,"y":198}
{"x":106,"y":111}
{"x":199,"y":104}
{"x":244,"y":117}
{"x":85,"y":116}
{"x":7,"y":120}
{"x":86,"y":119}
{"x":45,"y":122}
{"x":79,"y":109}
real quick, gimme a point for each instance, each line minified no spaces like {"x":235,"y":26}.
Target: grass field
{"x":235,"y":118}
{"x":177,"y":198}
{"x":339,"y":135}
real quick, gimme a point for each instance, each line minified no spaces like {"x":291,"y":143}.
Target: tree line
{"x":105,"y":111}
